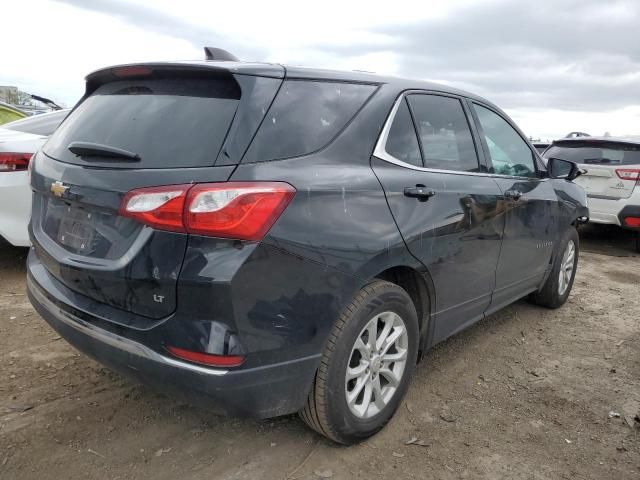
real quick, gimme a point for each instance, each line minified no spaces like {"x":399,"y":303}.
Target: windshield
{"x":44,"y":124}
{"x":604,"y":154}
{"x":168,"y":122}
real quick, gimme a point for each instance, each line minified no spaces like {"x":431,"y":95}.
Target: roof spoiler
{"x":220,"y":55}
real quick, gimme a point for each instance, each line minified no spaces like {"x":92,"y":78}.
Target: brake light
{"x":158,"y":207}
{"x":632,"y":174}
{"x":239,"y":210}
{"x":132,"y":71}
{"x":632,"y":221}
{"x":207,"y":358}
{"x":14,"y":162}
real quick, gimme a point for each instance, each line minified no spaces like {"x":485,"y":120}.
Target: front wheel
{"x":366,"y":365}
{"x":557,"y":287}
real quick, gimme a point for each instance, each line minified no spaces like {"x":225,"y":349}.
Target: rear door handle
{"x":513,"y":194}
{"x":420,"y":192}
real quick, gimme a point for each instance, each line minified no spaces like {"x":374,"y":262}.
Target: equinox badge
{"x":58,"y":188}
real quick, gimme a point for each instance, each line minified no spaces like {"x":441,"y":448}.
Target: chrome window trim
{"x":380,"y":150}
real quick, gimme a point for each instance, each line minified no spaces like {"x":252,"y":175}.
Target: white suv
{"x":611,"y":178}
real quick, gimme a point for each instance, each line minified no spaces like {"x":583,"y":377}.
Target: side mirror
{"x":566,"y":169}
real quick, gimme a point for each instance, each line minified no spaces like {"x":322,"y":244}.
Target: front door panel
{"x":530,"y":229}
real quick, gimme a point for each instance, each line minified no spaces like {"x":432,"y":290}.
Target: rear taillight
{"x":158,"y":207}
{"x":632,"y":222}
{"x":632,"y":174}
{"x":239,"y":210}
{"x":207,"y":358}
{"x":236,"y":210}
{"x":14,"y":162}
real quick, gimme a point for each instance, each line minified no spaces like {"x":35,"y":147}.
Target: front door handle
{"x":513,"y":194}
{"x":420,"y":192}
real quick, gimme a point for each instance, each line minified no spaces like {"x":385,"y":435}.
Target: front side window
{"x":444,"y":133}
{"x":510,"y":154}
{"x":402,"y":142}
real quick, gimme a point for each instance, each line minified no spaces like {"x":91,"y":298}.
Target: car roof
{"x":277,"y":70}
{"x":628,"y":140}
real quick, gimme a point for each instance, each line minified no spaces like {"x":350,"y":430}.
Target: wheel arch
{"x":419,"y":286}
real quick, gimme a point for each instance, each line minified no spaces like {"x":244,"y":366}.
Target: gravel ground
{"x":524,"y":394}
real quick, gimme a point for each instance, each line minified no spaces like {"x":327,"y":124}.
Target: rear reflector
{"x":628,"y":174}
{"x":14,"y":162}
{"x":207,"y":358}
{"x":238,"y":210}
{"x":632,"y":221}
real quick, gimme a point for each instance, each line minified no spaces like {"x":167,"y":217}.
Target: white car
{"x":611,"y":178}
{"x":18,"y":141}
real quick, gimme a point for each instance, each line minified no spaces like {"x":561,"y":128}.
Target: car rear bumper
{"x":259,"y":392}
{"x":15,"y":208}
{"x":630,"y":211}
{"x":611,"y":211}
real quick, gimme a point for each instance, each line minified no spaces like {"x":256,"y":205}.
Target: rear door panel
{"x":456,"y":234}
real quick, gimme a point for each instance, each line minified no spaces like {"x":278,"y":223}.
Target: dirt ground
{"x":525,"y":394}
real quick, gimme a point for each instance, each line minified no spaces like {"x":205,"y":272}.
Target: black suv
{"x":279,"y":239}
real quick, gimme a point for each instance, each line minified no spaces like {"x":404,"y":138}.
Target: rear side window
{"x":402,"y":142}
{"x":168,"y":122}
{"x":306,"y":116}
{"x":44,"y":124}
{"x":598,"y":154}
{"x":444,"y":133}
{"x":510,"y":154}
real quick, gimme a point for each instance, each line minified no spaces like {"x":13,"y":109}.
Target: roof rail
{"x":220,"y":55}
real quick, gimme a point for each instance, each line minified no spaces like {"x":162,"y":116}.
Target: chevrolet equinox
{"x":274,"y":239}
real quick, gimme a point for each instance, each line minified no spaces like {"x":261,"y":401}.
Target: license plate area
{"x":77,"y":231}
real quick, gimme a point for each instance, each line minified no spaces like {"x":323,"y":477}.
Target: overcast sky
{"x":556,"y":66}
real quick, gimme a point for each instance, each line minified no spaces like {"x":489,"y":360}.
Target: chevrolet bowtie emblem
{"x":58,"y":188}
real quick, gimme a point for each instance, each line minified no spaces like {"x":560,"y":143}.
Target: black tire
{"x":326,"y":410}
{"x":549,"y":295}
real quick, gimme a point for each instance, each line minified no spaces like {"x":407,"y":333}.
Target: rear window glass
{"x":44,"y":124}
{"x":610,"y":154}
{"x":444,"y":133}
{"x":168,"y":122}
{"x":305,"y":116}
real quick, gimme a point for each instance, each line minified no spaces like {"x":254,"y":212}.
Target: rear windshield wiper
{"x":91,"y":149}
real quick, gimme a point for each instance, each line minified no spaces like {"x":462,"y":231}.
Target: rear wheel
{"x":366,"y":365}
{"x":556,"y":289}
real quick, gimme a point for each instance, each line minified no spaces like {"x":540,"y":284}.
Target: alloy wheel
{"x":376,"y":365}
{"x":566,"y":267}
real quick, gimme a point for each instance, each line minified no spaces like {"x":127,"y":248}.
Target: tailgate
{"x":86,"y":245}
{"x":604,"y":181}
{"x":164,"y":126}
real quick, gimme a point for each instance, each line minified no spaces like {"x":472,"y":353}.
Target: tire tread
{"x":314,"y":413}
